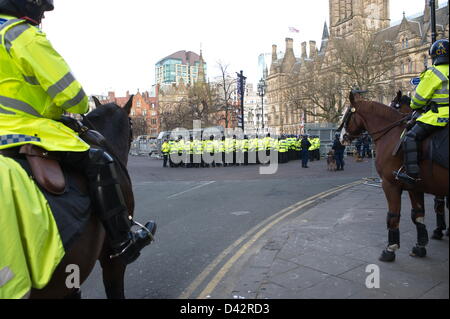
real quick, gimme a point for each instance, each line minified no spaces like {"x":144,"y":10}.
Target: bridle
{"x":353,"y":110}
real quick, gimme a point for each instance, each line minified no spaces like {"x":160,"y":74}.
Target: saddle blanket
{"x":439,"y":147}
{"x":36,"y":228}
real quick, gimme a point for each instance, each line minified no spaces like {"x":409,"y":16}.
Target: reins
{"x":388,"y":128}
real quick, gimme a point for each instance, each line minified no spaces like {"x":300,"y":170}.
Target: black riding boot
{"x":411,"y":146}
{"x":109,"y":204}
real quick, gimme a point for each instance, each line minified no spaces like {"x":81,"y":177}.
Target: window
{"x":410,"y":66}
{"x":403,"y":68}
{"x":406,"y":43}
{"x":425,"y":61}
{"x":138,"y":103}
{"x":153,"y":121}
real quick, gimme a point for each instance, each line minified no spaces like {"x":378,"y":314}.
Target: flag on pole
{"x":293,"y":30}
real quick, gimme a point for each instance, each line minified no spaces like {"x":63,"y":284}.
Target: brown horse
{"x":402,"y":104}
{"x":386,"y":125}
{"x":114,"y":124}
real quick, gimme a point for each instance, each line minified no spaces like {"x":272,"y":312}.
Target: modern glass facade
{"x":180,"y":66}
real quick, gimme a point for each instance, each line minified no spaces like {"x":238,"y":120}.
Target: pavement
{"x":329,"y":249}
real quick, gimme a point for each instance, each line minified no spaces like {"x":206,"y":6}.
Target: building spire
{"x":325,"y":33}
{"x":201,"y":69}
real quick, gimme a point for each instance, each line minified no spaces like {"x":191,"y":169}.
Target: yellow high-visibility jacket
{"x":433,"y":87}
{"x":36,"y":87}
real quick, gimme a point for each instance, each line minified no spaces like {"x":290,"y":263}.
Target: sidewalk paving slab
{"x":323,"y":252}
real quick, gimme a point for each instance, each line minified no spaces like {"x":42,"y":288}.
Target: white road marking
{"x":191,"y":189}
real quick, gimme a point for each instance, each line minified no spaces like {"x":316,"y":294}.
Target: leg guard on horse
{"x":439,"y":208}
{"x":392,"y":221}
{"x":417,"y":217}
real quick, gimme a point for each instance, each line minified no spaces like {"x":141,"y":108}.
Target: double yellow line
{"x":251,"y":236}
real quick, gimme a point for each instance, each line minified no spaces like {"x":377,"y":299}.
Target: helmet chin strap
{"x":30,"y":20}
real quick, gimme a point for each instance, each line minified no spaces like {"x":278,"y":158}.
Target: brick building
{"x":145,"y":111}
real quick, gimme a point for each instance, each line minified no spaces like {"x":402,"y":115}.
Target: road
{"x":201,"y":212}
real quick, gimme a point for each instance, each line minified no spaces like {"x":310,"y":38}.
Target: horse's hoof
{"x":387,"y":256}
{"x":418,"y":252}
{"x":437,"y":234}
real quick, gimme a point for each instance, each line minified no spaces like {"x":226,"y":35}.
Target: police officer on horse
{"x":431,"y":98}
{"x":36,"y":88}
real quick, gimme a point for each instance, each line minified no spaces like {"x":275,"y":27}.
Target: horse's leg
{"x":439,"y":209}
{"x":113,"y":275}
{"x":448,"y":229}
{"x":417,"y":216}
{"x":393,"y":195}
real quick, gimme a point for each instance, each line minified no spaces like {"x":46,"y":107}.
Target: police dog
{"x":331,"y":161}
{"x":357,"y":157}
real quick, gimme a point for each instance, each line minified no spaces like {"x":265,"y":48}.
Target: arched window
{"x":410,"y":66}
{"x":402,"y":68}
{"x":406,"y":43}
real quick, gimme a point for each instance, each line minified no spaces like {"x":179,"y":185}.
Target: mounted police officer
{"x":431,"y":98}
{"x":36,"y":87}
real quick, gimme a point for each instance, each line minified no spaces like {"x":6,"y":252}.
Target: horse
{"x":114,"y":124}
{"x":385,"y":125}
{"x":402,"y":104}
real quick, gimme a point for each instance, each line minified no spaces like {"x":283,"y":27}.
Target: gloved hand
{"x":71,"y":123}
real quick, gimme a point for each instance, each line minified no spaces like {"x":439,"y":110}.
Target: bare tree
{"x":316,"y":95}
{"x":364,"y":61}
{"x":139,"y":125}
{"x":226,"y":88}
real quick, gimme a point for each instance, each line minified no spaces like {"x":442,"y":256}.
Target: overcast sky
{"x":114,"y":44}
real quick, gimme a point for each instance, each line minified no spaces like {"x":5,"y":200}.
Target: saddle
{"x":45,"y":167}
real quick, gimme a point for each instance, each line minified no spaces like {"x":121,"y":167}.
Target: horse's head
{"x":352,"y":125}
{"x":396,"y":101}
{"x":114,"y":123}
{"x":401,"y":103}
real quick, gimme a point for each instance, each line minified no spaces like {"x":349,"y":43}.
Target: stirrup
{"x":404,"y":177}
{"x":133,"y":241}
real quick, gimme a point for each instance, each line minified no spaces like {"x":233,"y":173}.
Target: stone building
{"x":410,"y":40}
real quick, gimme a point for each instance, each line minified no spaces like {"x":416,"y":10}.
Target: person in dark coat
{"x":305,"y":144}
{"x":366,"y":142}
{"x":339,"y":151}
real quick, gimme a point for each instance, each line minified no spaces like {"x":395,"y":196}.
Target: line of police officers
{"x":232,"y":151}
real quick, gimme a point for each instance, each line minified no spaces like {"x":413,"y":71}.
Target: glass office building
{"x":181,"y":66}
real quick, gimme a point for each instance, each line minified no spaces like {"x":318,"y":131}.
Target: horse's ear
{"x":352,"y":98}
{"x":129,"y":105}
{"x":399,"y":95}
{"x":96,"y":101}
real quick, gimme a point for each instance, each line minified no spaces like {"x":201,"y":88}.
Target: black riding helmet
{"x":31,"y":10}
{"x":439,"y":52}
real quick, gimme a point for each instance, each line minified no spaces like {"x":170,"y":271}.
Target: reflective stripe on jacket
{"x":36,"y":87}
{"x":433,"y":87}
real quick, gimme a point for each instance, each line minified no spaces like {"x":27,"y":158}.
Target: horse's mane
{"x":388,"y":113}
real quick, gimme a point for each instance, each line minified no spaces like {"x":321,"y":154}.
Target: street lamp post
{"x":262,"y":92}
